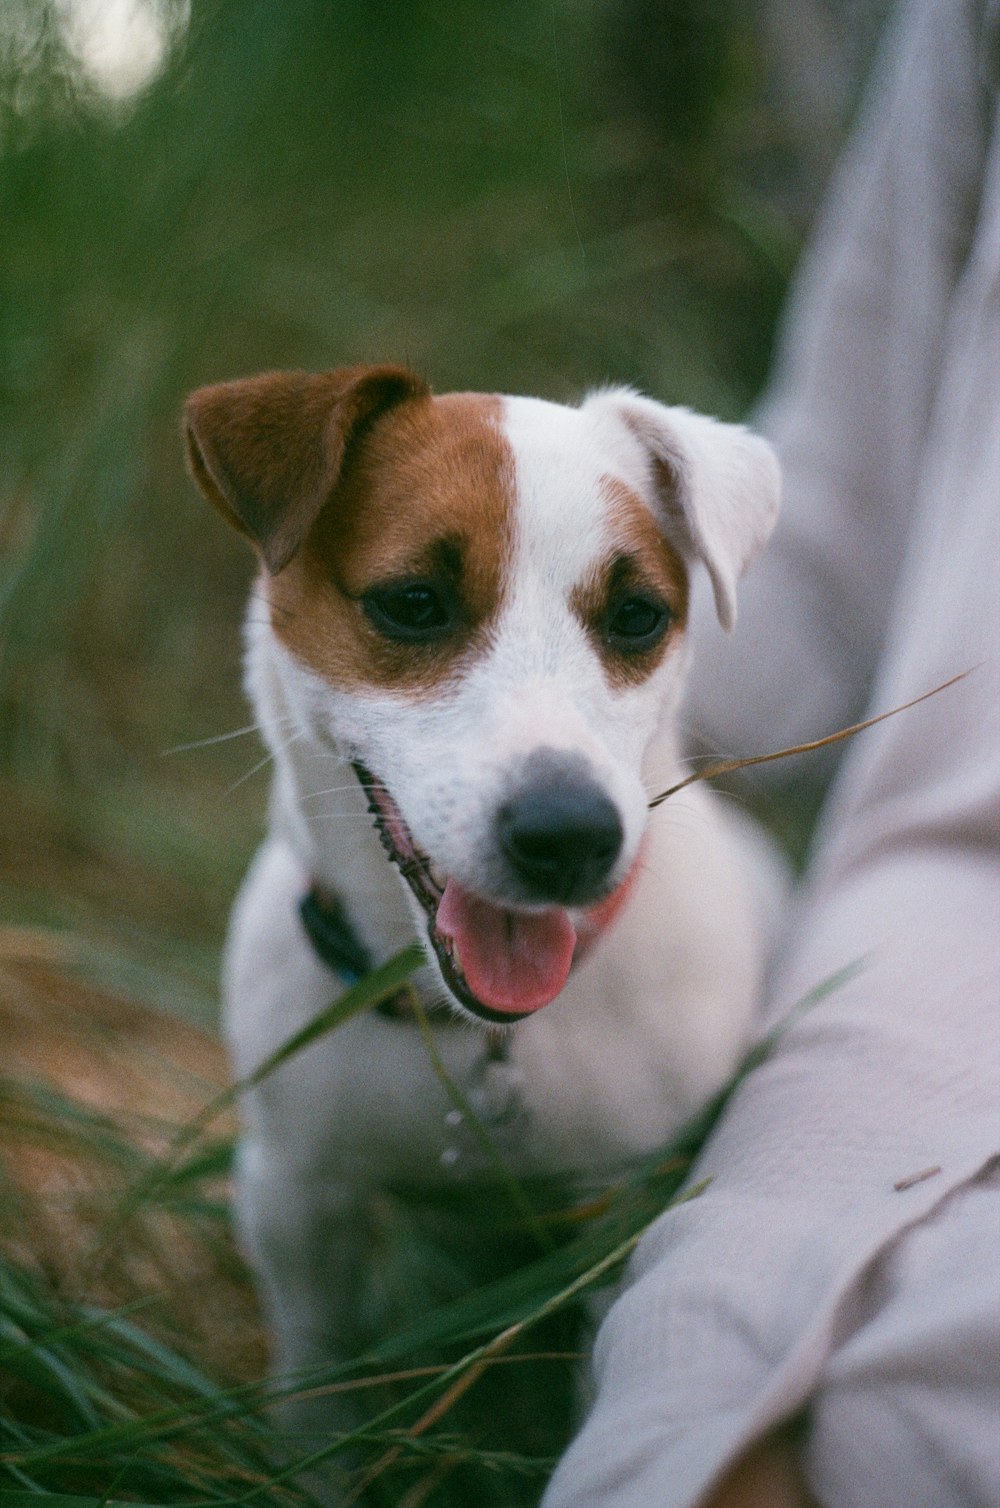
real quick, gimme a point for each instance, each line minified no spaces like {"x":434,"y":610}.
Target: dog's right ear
{"x":267,"y":451}
{"x":718,"y":485}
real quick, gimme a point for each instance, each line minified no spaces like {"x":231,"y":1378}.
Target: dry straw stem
{"x":727,"y":766}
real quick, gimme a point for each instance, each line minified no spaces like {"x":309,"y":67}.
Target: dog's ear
{"x":718,"y":486}
{"x":267,"y":451}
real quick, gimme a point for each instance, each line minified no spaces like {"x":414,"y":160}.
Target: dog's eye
{"x":412,"y":611}
{"x":637,"y":623}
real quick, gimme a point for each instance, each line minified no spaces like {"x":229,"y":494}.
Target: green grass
{"x":98,"y":1399}
{"x":468,"y":1385}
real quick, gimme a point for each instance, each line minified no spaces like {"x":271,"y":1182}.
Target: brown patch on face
{"x":642,"y":568}
{"x":424,"y":503}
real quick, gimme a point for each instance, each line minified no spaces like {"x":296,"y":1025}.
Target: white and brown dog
{"x":470,"y":627}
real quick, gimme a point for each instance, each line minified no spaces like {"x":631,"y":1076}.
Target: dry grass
{"x":93,"y":1091}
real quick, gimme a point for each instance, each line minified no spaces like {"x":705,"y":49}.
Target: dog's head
{"x":482,"y":602}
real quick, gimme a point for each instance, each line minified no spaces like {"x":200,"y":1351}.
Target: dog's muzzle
{"x":559,"y":837}
{"x":561,"y":834}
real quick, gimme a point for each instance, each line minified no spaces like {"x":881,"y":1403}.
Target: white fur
{"x":653,"y":1020}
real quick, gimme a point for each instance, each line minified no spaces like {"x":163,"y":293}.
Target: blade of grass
{"x":15,"y":1498}
{"x":376,"y":986}
{"x":512,"y":1187}
{"x":470,"y":1361}
{"x":727,"y":766}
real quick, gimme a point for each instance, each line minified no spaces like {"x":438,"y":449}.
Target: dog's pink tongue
{"x":513,"y":961}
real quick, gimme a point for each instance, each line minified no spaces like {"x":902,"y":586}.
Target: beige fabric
{"x":804,"y":1276}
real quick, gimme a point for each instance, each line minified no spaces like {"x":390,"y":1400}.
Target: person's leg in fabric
{"x":754,"y":1302}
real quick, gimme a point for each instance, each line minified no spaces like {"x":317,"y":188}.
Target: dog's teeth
{"x":437,"y":874}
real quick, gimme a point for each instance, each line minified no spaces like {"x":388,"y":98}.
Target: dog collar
{"x":336,"y":943}
{"x":329,"y":929}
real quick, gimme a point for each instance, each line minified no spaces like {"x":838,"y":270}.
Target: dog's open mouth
{"x":499,"y":962}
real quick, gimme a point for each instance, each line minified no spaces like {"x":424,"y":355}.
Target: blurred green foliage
{"x":508,"y":196}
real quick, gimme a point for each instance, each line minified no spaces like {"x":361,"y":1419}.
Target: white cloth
{"x":803,"y":1278}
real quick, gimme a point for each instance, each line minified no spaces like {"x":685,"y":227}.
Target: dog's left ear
{"x":718,"y":485}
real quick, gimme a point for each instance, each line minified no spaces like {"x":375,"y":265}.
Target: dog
{"x":466,"y":650}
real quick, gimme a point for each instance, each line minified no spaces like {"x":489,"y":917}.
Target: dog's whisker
{"x":261,"y":763}
{"x":294,"y":738}
{"x":735,"y":798}
{"x":248,"y":775}
{"x":333,"y":790}
{"x":653,"y":785}
{"x":214,"y":738}
{"x":343,"y":816}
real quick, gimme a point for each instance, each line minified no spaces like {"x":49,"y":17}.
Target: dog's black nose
{"x":561,"y":833}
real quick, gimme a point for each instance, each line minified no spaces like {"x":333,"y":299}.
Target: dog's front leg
{"x":307,"y":1238}
{"x":303,"y":1224}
